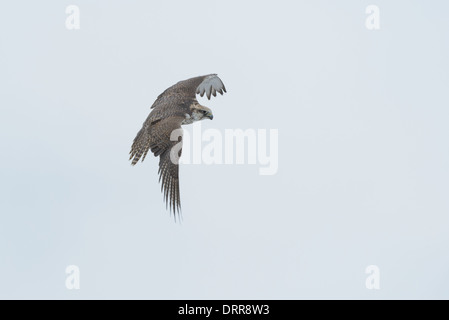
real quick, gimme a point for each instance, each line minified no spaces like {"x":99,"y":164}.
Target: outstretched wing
{"x":164,"y":139}
{"x":210,"y":85}
{"x":186,"y":90}
{"x":166,"y":142}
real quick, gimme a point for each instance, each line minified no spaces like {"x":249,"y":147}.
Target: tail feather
{"x":140,"y":147}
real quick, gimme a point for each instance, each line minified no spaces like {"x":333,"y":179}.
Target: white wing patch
{"x":211,"y":85}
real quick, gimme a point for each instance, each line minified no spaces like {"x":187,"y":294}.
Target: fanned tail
{"x":140,"y":147}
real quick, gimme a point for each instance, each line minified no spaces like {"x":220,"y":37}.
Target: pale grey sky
{"x":363,"y":171}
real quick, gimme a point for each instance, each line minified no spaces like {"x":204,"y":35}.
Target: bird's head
{"x":200,"y":112}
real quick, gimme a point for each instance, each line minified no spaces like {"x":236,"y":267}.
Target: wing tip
{"x":210,"y":86}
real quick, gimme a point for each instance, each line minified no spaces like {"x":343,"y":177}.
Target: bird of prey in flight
{"x":176,"y":106}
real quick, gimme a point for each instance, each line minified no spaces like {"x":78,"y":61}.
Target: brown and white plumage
{"x":176,"y":106}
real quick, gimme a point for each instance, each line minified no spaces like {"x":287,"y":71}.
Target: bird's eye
{"x":204,"y":111}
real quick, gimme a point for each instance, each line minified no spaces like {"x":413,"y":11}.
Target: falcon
{"x":174,"y":107}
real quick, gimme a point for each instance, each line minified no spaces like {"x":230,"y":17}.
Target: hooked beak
{"x":210,"y":115}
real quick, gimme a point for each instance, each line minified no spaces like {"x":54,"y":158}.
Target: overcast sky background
{"x":363,"y":150}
